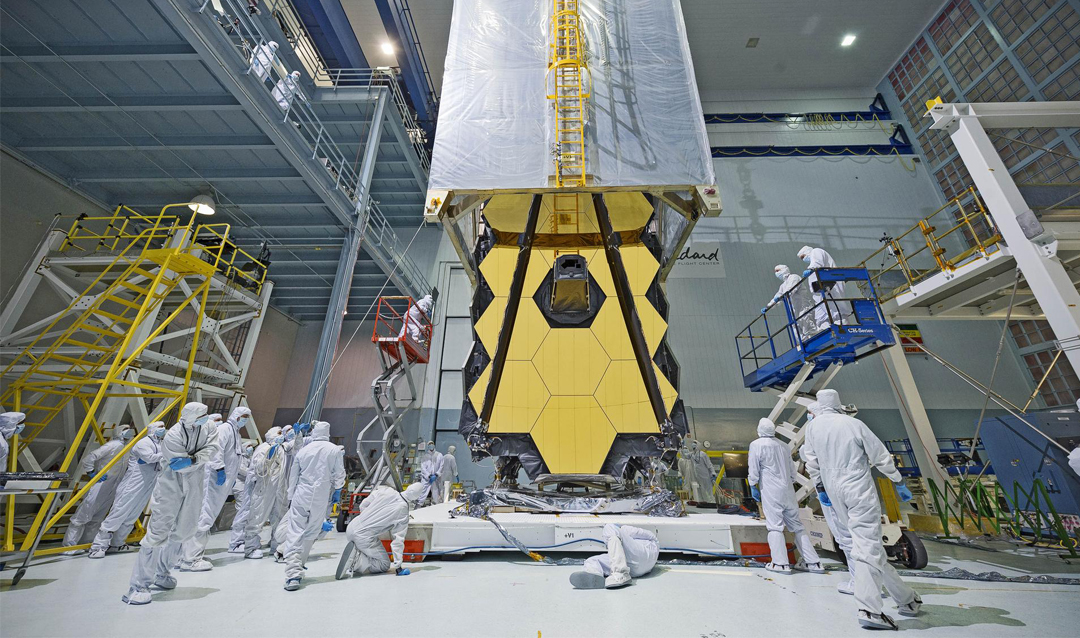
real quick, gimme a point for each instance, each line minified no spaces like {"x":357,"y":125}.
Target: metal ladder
{"x":793,"y":435}
{"x":380,"y":432}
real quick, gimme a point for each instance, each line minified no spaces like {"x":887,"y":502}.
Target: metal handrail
{"x":248,"y":36}
{"x":970,"y":219}
{"x":374,"y":79}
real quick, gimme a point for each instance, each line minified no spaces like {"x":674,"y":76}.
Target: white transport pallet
{"x":703,"y":533}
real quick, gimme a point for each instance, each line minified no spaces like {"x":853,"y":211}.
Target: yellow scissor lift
{"x":148,"y":272}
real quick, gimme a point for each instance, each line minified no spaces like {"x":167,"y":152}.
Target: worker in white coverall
{"x":448,"y":474}
{"x":385,"y":510}
{"x":286,"y":89}
{"x":279,"y":517}
{"x":772,"y":473}
{"x":430,"y":464}
{"x":840,"y":450}
{"x":177,"y":501}
{"x":11,"y":423}
{"x":317,"y":476}
{"x":418,"y":316}
{"x":221,"y":473}
{"x":704,"y":474}
{"x":145,"y":463}
{"x":800,"y":298}
{"x":240,"y":499}
{"x":631,"y":553}
{"x":840,"y":533}
{"x":818,"y":258}
{"x":266,"y":475}
{"x":262,"y":59}
{"x":91,"y":511}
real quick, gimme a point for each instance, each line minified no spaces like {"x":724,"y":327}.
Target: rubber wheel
{"x":839,"y":552}
{"x":912,"y":550}
{"x":342,"y":520}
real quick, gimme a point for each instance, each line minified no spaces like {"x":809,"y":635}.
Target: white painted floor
{"x":508,"y":595}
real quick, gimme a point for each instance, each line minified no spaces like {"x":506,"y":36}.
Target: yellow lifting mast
{"x":89,"y":353}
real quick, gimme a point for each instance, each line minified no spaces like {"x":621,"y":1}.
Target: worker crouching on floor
{"x":384,"y":510}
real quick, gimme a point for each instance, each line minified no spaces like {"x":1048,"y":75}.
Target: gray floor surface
{"x":509,"y":595}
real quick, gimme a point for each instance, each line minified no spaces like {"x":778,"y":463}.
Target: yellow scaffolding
{"x":87,"y":352}
{"x":967,"y":226}
{"x":567,"y":66}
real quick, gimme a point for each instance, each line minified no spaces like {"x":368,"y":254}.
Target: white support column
{"x":24,"y":290}
{"x":916,"y":422}
{"x":1047,"y":277}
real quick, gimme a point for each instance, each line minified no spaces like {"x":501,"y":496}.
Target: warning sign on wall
{"x":909,"y":336}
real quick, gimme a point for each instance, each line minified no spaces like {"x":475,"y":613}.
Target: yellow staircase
{"x":88,"y":352}
{"x":568,"y":66}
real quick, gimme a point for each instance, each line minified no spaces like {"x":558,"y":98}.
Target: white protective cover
{"x":496,"y":126}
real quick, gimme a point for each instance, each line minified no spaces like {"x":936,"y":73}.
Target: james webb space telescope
{"x":571,"y":164}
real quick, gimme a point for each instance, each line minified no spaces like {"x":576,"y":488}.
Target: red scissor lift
{"x":402,"y":333}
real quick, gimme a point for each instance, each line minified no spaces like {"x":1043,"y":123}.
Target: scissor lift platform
{"x":775,"y":347}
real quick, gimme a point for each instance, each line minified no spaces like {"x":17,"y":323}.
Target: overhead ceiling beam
{"x":145,"y":143}
{"x":142,"y":52}
{"x":276,"y":174}
{"x":102,"y":104}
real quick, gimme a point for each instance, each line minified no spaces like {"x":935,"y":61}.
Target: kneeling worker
{"x":631,"y":553}
{"x":384,"y":510}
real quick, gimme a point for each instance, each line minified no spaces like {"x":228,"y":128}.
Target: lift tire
{"x":912,"y":551}
{"x":342,"y":520}
{"x":839,"y":552}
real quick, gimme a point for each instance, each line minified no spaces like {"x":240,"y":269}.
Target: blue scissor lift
{"x":831,"y":318}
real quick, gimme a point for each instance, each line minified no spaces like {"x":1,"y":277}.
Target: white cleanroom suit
{"x":317,"y":473}
{"x":230,"y":451}
{"x":631,"y":553}
{"x":177,"y":500}
{"x":145,"y":463}
{"x":91,"y":511}
{"x":384,"y":510}
{"x":773,"y":471}
{"x":840,"y":450}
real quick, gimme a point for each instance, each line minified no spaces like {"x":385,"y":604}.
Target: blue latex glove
{"x":755,"y":493}
{"x":327,"y":526}
{"x":180,"y":463}
{"x":221,"y":476}
{"x":764,"y":310}
{"x":806,"y":273}
{"x":904,"y":493}
{"x":403,"y":571}
{"x":336,"y":496}
{"x":270,"y":454}
{"x":823,"y":498}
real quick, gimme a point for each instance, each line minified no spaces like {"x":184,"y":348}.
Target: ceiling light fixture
{"x":388,"y":48}
{"x":848,"y":40}
{"x":203,"y":204}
